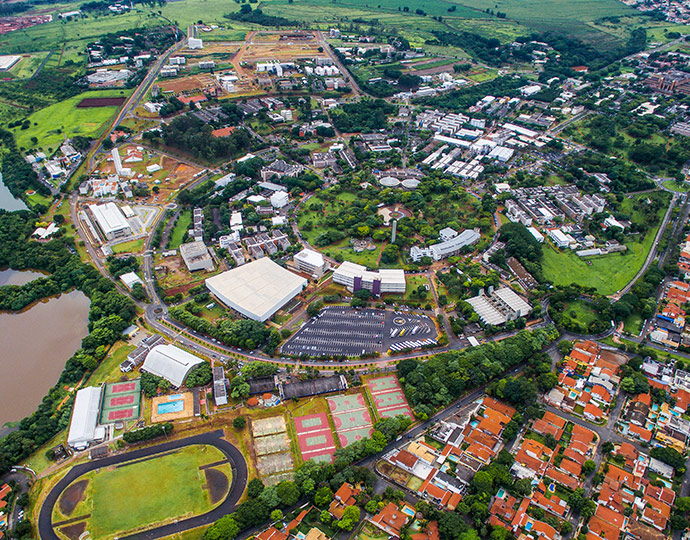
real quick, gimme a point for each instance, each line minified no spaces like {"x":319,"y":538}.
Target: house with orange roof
{"x":572,"y":455}
{"x":496,"y":416}
{"x":603,"y":530}
{"x":581,"y":357}
{"x":654,"y":518}
{"x":390,"y":520}
{"x":640,"y":433}
{"x":610,"y":516}
{"x":554,"y":419}
{"x":601,"y":394}
{"x":490,"y":427}
{"x":570,"y":467}
{"x":430,"y":532}
{"x":555,"y":505}
{"x":491,"y":403}
{"x":223,"y":132}
{"x":404,"y":459}
{"x":503,"y":509}
{"x":272,"y":534}
{"x":562,"y":478}
{"x":480,"y":452}
{"x":344,"y":497}
{"x":5,"y":491}
{"x":543,"y":427}
{"x":592,"y":412}
{"x":617,"y":477}
{"x":300,"y":517}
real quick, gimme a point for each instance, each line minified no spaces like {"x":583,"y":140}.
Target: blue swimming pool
{"x":170,"y":407}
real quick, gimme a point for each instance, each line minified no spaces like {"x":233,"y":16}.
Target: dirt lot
{"x":87,"y":103}
{"x":217,"y":484}
{"x":71,"y":497}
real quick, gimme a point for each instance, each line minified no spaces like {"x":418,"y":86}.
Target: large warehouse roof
{"x":109,"y":217}
{"x":171,"y":363}
{"x":82,"y":429}
{"x":257,"y":289}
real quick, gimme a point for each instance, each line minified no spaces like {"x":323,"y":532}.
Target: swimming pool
{"x":170,"y":407}
{"x":408,"y":511}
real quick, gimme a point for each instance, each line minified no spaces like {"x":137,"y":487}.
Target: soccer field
{"x":152,"y":491}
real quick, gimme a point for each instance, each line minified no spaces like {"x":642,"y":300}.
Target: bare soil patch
{"x":71,"y":496}
{"x":217,"y":484}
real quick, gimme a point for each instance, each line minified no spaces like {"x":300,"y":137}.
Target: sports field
{"x":138,"y":495}
{"x":121,"y":402}
{"x":315,"y":437}
{"x":389,"y":399}
{"x":351,"y":417}
{"x":272,"y":448}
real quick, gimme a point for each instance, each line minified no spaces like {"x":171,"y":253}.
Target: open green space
{"x":50,"y":126}
{"x":139,"y":495}
{"x":28,"y":65}
{"x":133,"y":246}
{"x":606,"y":273}
{"x":182,"y":225}
{"x":581,"y":312}
{"x":674,"y":185}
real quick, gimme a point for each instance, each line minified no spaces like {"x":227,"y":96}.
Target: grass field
{"x":51,"y":125}
{"x":676,"y":186}
{"x":182,"y":225}
{"x":133,"y":246}
{"x":581,"y":311}
{"x":28,"y":65}
{"x":120,"y":499}
{"x":608,"y":273}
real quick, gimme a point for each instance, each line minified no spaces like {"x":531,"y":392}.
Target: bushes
{"x":200,"y":375}
{"x":147,"y":433}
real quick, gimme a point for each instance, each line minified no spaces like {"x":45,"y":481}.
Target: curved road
{"x":214,"y":438}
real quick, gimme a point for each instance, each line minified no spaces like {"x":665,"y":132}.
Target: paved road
{"x":239,"y":481}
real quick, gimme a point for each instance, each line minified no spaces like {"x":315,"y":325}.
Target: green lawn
{"x":142,"y":494}
{"x":133,"y":246}
{"x":51,"y":125}
{"x":182,"y":225}
{"x":607,"y":273}
{"x":582,"y":312}
{"x":677,"y":186}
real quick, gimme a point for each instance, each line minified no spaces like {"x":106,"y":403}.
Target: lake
{"x":36,"y":343}
{"x":7,"y":200}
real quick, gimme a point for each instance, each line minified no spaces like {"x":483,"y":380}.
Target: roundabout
{"x":182,"y":484}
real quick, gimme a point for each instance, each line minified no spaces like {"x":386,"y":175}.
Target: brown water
{"x":35,"y":345}
{"x":13,"y":277}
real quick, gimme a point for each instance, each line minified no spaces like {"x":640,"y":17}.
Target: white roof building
{"x":110,"y":220}
{"x":257,"y":289}
{"x":499,"y":306}
{"x":356,"y":277}
{"x":171,"y":363}
{"x":196,"y":256}
{"x":130,"y":279}
{"x":310,"y":262}
{"x":84,"y":428}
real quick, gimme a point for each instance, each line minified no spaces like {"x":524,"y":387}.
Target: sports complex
{"x":196,"y":480}
{"x":315,"y":437}
{"x":389,"y":399}
{"x":351,"y":417}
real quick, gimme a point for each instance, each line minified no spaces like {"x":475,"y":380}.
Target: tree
{"x":200,"y":375}
{"x":588,"y":467}
{"x":350,"y":518}
{"x":239,"y":422}
{"x":226,"y":528}
{"x":607,"y":447}
{"x":254,"y":488}
{"x":277,"y":515}
{"x":323,"y":496}
{"x":565,"y":346}
{"x":314,"y":308}
{"x":287,"y":492}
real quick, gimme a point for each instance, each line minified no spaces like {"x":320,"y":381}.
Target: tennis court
{"x":274,"y":463}
{"x":348,"y":437}
{"x":382,"y":384}
{"x":346,"y":403}
{"x":352,"y":420}
{"x":389,"y":398}
{"x":121,"y":401}
{"x":271,"y":444}
{"x":315,"y":437}
{"x":351,"y":417}
{"x":268,"y":426}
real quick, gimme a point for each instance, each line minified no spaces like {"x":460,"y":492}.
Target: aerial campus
{"x":340,"y":270}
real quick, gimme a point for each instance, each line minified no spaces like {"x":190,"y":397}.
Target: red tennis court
{"x":123,"y":387}
{"x":349,"y":402}
{"x":121,"y":414}
{"x":117,"y":401}
{"x":310,"y":423}
{"x":352,"y":419}
{"x":315,"y":437}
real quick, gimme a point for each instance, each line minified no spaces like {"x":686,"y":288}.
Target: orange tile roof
{"x":552,"y":504}
{"x":404,"y":457}
{"x":642,"y":433}
{"x":481,"y":452}
{"x":496,"y":416}
{"x":4,"y":490}
{"x":610,"y":516}
{"x":390,"y":519}
{"x":499,"y":406}
{"x":429,"y":533}
{"x":223,"y":132}
{"x":504,"y":508}
{"x":571,"y":467}
{"x":603,"y":529}
{"x":489,"y":426}
{"x":595,"y":411}
{"x":580,"y":356}
{"x":556,"y":420}
{"x":544,"y":427}
{"x":272,"y":534}
{"x":577,"y":457}
{"x":562,"y":478}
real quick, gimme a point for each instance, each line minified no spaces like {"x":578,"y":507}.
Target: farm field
{"x":119,"y":499}
{"x":51,"y":125}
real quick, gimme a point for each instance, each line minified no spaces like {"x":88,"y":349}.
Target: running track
{"x":239,"y":481}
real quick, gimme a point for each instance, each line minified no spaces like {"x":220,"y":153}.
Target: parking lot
{"x":344,"y":331}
